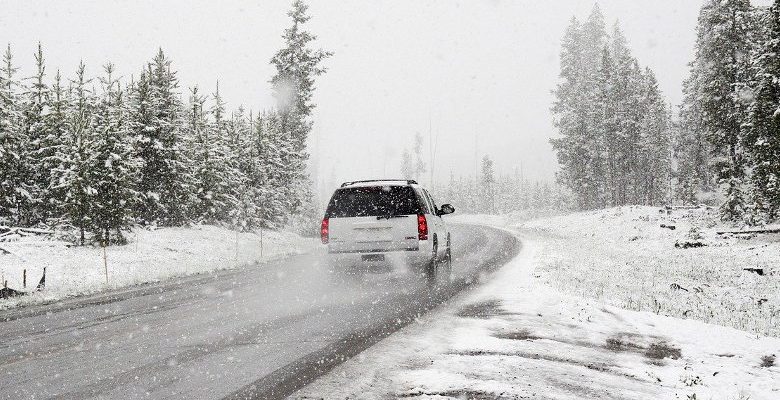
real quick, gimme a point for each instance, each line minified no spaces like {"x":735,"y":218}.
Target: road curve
{"x":256,"y":332}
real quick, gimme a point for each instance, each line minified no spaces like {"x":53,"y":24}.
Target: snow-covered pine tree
{"x":577,"y":113}
{"x":539,"y":197}
{"x":113,"y":166}
{"x":723,"y":47}
{"x":56,"y":148}
{"x":36,"y":100}
{"x":608,"y":100}
{"x":692,"y":151}
{"x":627,"y":89}
{"x":270,"y":178}
{"x":488,"y":181}
{"x":762,"y":134}
{"x":73,"y":176}
{"x":165,"y":181}
{"x":407,"y":165}
{"x":215,"y":179}
{"x":654,"y":165}
{"x":297,"y":65}
{"x":227,"y":142}
{"x":239,"y":131}
{"x":16,"y":199}
{"x":202,"y":155}
{"x":568,"y":115}
{"x":594,"y":38}
{"x":419,"y":163}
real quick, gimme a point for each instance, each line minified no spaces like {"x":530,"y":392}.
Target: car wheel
{"x":447,"y":261}
{"x":430,"y":267}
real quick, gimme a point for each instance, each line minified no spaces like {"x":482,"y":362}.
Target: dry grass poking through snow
{"x":624,"y":257}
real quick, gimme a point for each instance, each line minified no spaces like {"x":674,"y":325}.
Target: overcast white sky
{"x":480,"y":71}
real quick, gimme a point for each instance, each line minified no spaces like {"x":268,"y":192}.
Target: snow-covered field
{"x":518,"y":337}
{"x":151,"y":255}
{"x":624,"y":257}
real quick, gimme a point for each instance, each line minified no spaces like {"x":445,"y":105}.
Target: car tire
{"x":430,"y":266}
{"x":447,"y":261}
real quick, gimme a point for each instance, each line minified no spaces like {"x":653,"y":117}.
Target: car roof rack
{"x":408,"y":181}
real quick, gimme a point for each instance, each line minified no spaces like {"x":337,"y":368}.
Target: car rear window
{"x":373,"y":201}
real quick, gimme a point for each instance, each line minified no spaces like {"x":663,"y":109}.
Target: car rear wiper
{"x":390,"y":216}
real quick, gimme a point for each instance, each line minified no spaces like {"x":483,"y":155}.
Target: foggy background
{"x":479,"y":72}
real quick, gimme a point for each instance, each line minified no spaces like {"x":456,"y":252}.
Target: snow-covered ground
{"x":151,"y":255}
{"x":624,"y":257}
{"x":536,"y":330}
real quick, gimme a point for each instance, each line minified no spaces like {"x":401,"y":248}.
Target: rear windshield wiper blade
{"x":390,"y":216}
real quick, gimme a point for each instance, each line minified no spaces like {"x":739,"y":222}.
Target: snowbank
{"x":516,"y":337}
{"x":151,"y":255}
{"x":642,"y":259}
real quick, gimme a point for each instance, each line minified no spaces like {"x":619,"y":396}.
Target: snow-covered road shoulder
{"x":515,"y":337}
{"x":150,"y":256}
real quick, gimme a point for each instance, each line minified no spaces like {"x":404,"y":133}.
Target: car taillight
{"x":324,"y":232}
{"x":422,"y":227}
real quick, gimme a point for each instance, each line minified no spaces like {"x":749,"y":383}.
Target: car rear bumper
{"x":379,"y":260}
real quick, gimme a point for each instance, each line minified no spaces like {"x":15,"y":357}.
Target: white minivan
{"x":387,"y":223}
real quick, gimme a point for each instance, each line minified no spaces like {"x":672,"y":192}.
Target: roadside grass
{"x":632,"y":258}
{"x":768,"y":361}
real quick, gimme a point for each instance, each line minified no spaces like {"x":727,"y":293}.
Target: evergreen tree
{"x":270,"y":175}
{"x":762,"y":134}
{"x":215,"y":177}
{"x":419,"y":163}
{"x":36,"y":99}
{"x":407,"y":165}
{"x":16,"y":199}
{"x":205,"y":163}
{"x":719,"y":71}
{"x":56,"y":151}
{"x":594,"y":38}
{"x":297,"y":65}
{"x":568,"y":111}
{"x":113,"y":166}
{"x":228,"y":144}
{"x":488,"y":181}
{"x":692,"y":151}
{"x":165,"y":179}
{"x":628,"y":85}
{"x":578,"y":113}
{"x":73,"y":176}
{"x":608,"y":126}
{"x":654,"y":164}
{"x":239,"y":130}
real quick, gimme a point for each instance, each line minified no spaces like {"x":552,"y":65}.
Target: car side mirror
{"x":446,"y":209}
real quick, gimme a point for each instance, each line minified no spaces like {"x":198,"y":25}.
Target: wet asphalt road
{"x":261,"y":331}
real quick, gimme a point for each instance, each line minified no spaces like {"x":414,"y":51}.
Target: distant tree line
{"x":491,"y":193}
{"x":98,"y":155}
{"x":614,"y":125}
